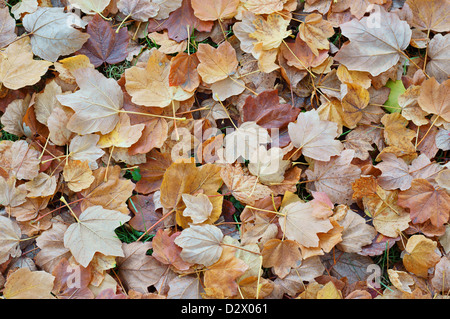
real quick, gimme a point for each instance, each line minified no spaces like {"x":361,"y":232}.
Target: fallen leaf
{"x":90,"y":6}
{"x":198,"y":207}
{"x":141,"y":10}
{"x":315,"y":32}
{"x":167,"y":252}
{"x":9,"y":239}
{"x":138,"y":270}
{"x":7,"y":26}
{"x":180,"y":22}
{"x":149,"y":86}
{"x":387,"y":42}
{"x":430,"y":15}
{"x":420,"y":255}
{"x":217,"y":10}
{"x":48,"y":44}
{"x":335,"y":177}
{"x":105,"y":45}
{"x":96,"y":104}
{"x":425,"y":202}
{"x":111,"y":194}
{"x":223,"y":273}
{"x":200,"y":244}
{"x":78,"y":175}
{"x":315,"y":138}
{"x":281,"y":256}
{"x":298,"y":223}
{"x":94,"y":232}
{"x":26,"y":284}
{"x":433,"y":98}
{"x":17,"y":66}
{"x":242,"y":185}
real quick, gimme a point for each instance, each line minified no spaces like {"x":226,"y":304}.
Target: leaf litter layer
{"x":225,"y":149}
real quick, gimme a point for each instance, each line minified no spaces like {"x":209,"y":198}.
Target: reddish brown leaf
{"x":104,"y":44}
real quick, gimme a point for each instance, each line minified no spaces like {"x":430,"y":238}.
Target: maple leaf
{"x":10,"y":195}
{"x":216,"y":10}
{"x":111,"y":194}
{"x":90,"y":6}
{"x":268,"y":165}
{"x":433,"y":98}
{"x":420,"y":255}
{"x":104,"y":44}
{"x":356,"y":234}
{"x":180,"y":22}
{"x":26,"y":284}
{"x":386,"y":43}
{"x":355,"y":100}
{"x":78,"y":175}
{"x":429,"y":15}
{"x":149,"y":86}
{"x":281,"y":256}
{"x":198,"y":207}
{"x":141,"y":10}
{"x":94,"y":232}
{"x":52,"y":249}
{"x":299,"y":223}
{"x":315,"y":137}
{"x":389,"y":218}
{"x":335,"y":177}
{"x":7,"y":26}
{"x":63,"y":287}
{"x":17,"y":66}
{"x":51,"y":33}
{"x":223,"y":273}
{"x":186,"y":178}
{"x":183,"y":71}
{"x":201,"y":244}
{"x":243,"y":186}
{"x":266,"y":110}
{"x":137,"y":269}
{"x":9,"y":239}
{"x":300,"y":55}
{"x":315,"y":32}
{"x":19,"y":159}
{"x":425,"y":202}
{"x":395,"y":173}
{"x":166,"y":251}
{"x":96,"y":104}
{"x":438,"y":52}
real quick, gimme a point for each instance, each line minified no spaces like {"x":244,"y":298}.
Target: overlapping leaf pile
{"x":224,"y":149}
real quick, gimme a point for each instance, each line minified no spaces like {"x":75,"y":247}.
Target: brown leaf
{"x":186,"y":178}
{"x":222,"y":274}
{"x":26,"y":284}
{"x":335,"y":177}
{"x":434,"y":98}
{"x":179,"y":22}
{"x":281,"y":256}
{"x":426,"y":202}
{"x":167,"y":252}
{"x":183,"y":71}
{"x":110,"y":194}
{"x":137,"y":270}
{"x":420,"y":255}
{"x":215,"y":10}
{"x":105,"y":45}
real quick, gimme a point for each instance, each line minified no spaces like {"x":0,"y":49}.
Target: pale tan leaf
{"x":200,"y":244}
{"x":17,"y":66}
{"x":9,"y":239}
{"x":96,"y":104}
{"x":94,"y":232}
{"x":48,"y":44}
{"x":27,"y":284}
